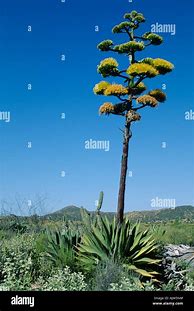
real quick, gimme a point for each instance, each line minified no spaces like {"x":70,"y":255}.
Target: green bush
{"x":174,"y":233}
{"x":132,"y":284}
{"x":18,"y":262}
{"x":64,"y":280}
{"x":178,"y":275}
{"x":189,"y":286}
{"x":106,"y":273}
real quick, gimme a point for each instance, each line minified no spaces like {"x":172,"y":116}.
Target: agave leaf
{"x":130,"y":266}
{"x":146,"y":240}
{"x":106,"y":229}
{"x":144,"y":273}
{"x":101,"y":239}
{"x":92,"y":249}
{"x":148,"y":261}
{"x":136,"y":241}
{"x":144,"y":250}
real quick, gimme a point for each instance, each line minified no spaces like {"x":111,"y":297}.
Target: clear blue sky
{"x":58,"y":145}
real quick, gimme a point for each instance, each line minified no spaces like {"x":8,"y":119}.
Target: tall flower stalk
{"x":129,"y":94}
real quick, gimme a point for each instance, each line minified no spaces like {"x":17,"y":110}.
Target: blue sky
{"x":66,"y":86}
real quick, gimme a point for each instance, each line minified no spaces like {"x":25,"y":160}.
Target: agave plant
{"x":60,"y":246}
{"x":104,"y":239}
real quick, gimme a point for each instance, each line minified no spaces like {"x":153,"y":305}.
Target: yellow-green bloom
{"x":101,"y":87}
{"x":135,"y":16}
{"x":116,"y":89}
{"x":140,"y":18}
{"x":127,"y":16}
{"x":158,"y":95}
{"x":147,"y":100}
{"x":106,"y":108}
{"x":105,"y":45}
{"x":109,"y":61}
{"x":142,"y":69}
{"x":154,"y":38}
{"x":133,"y":13}
{"x":108,"y":67}
{"x":147,"y":60}
{"x":128,"y":47}
{"x":120,"y":27}
{"x":162,"y":65}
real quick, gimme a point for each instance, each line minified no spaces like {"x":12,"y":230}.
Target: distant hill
{"x":185,"y":212}
{"x":72,"y":213}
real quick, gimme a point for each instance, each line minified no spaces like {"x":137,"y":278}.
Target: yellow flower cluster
{"x":106,"y":108}
{"x":110,"y":61}
{"x":108,"y":67}
{"x":129,"y":47}
{"x":139,"y":69}
{"x":158,"y":95}
{"x":105,"y":45}
{"x":141,"y":85}
{"x":154,"y":38}
{"x":147,"y":60}
{"x":133,"y":116}
{"x":147,"y":100}
{"x":116,"y":89}
{"x":100,"y":87}
{"x":162,"y":65}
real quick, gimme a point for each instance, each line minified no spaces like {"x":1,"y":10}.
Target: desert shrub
{"x":178,"y":285}
{"x":63,"y":280}
{"x":126,"y":284}
{"x":189,"y":286}
{"x":19,"y":263}
{"x":41,"y":240}
{"x":106,"y":273}
{"x":45,"y":267}
{"x":17,"y":277}
{"x":174,"y":233}
{"x":132,"y":284}
{"x":112,"y":276}
{"x":178,"y":275}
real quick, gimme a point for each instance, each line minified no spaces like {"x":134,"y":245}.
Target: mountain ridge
{"x":184,"y":212}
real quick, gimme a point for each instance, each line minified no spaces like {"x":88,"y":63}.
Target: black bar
{"x":91,"y":300}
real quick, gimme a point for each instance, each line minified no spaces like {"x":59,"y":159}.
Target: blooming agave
{"x":132,"y":94}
